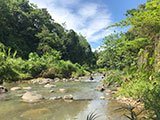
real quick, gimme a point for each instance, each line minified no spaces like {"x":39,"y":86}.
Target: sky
{"x":88,"y":17}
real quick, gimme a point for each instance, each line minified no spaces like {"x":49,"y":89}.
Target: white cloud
{"x":88,"y":18}
{"x":99,"y":49}
{"x":88,"y":10}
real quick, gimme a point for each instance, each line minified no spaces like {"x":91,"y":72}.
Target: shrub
{"x":34,"y":65}
{"x":113,"y":78}
{"x":50,"y":73}
{"x":65,"y":68}
{"x":7,"y":72}
{"x":134,"y":88}
{"x":151,"y":99}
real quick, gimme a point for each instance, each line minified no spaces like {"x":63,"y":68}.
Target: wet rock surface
{"x":102,"y":98}
{"x":100,"y":88}
{"x":32,"y":97}
{"x":27,"y":88}
{"x":15,"y":88}
{"x":41,"y":81}
{"x":56,"y":98}
{"x":68,"y":97}
{"x":62,"y":90}
{"x":49,"y":86}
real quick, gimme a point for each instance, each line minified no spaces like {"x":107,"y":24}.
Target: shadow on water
{"x":86,"y":101}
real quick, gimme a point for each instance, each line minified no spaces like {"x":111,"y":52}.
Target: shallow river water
{"x":86,"y":100}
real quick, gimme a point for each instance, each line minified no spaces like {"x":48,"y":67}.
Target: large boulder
{"x":3,"y":89}
{"x":49,"y":86}
{"x":32,"y":97}
{"x":15,"y":88}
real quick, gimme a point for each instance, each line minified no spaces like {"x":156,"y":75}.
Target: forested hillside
{"x":25,"y":28}
{"x":135,"y":55}
{"x":31,"y":42}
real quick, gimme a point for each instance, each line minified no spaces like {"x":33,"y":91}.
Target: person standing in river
{"x":91,"y":78}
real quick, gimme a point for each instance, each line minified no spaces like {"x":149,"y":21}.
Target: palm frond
{"x":93,"y":116}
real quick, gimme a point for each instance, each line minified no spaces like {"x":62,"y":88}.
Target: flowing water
{"x":86,"y":100}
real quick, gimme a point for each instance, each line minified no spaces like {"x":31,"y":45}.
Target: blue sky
{"x":88,"y":17}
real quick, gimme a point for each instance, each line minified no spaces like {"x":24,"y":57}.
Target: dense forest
{"x":133,"y":57}
{"x":32,"y":44}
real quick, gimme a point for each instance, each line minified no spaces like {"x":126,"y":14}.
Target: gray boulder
{"x":32,"y":97}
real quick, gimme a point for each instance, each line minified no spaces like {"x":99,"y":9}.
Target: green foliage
{"x":151,"y":99}
{"x":133,"y":115}
{"x":120,"y":52}
{"x":134,"y":88}
{"x":101,"y":70}
{"x":35,"y":64}
{"x":50,"y":73}
{"x":7,"y":71}
{"x":114,"y":78}
{"x":135,"y":52}
{"x":49,"y":65}
{"x":26,"y":28}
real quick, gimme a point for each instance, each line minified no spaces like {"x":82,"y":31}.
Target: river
{"x":86,"y":100}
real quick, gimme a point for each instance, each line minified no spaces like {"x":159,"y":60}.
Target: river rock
{"x":102,"y":98}
{"x":108,"y":91}
{"x":76,"y":80}
{"x":62,"y":90}
{"x":51,"y":91}
{"x":32,"y":97}
{"x":64,"y":80}
{"x":68,"y":97}
{"x":99,"y":88}
{"x":56,"y":98}
{"x":41,"y":81}
{"x":68,"y":101}
{"x":113,"y":92}
{"x":3,"y":89}
{"x":56,"y":79}
{"x":49,"y":86}
{"x":15,"y":88}
{"x":71,"y":79}
{"x":27,"y":88}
